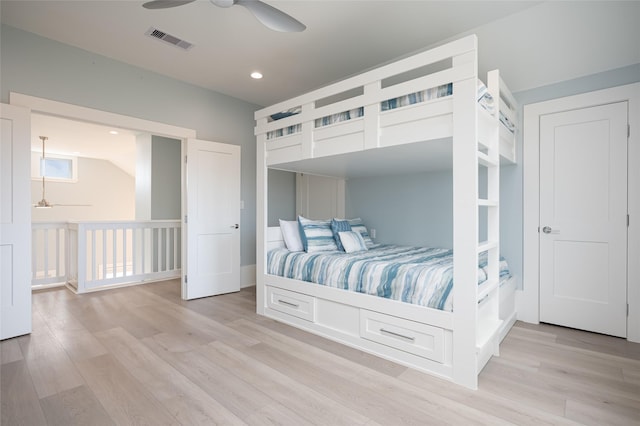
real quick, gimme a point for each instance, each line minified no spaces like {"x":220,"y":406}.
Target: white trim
{"x":247,"y":276}
{"x":62,"y":109}
{"x":528,"y":299}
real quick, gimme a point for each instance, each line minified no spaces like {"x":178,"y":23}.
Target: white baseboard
{"x":247,"y":276}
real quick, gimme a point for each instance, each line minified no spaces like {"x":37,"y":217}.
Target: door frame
{"x":76,"y":112}
{"x":529,"y":298}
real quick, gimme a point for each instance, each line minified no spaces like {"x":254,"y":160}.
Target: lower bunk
{"x":410,"y":334}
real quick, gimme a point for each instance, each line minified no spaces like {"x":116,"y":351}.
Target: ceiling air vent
{"x":168,"y":38}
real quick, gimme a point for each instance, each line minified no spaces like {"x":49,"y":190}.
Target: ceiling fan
{"x":269,"y":16}
{"x":44,"y":204}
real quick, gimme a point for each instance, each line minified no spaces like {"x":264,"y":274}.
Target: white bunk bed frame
{"x":454,"y":345}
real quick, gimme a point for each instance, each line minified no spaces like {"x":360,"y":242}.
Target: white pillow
{"x":352,"y":241}
{"x":291,"y":235}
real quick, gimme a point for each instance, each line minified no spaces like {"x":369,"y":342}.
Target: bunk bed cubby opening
{"x":422,"y":113}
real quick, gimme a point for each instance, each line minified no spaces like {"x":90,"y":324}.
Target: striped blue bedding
{"x":417,"y":275}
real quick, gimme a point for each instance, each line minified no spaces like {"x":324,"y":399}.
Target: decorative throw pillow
{"x":338,"y":225}
{"x":316,"y":235}
{"x":352,"y":241}
{"x":358,"y":225}
{"x":291,"y":235}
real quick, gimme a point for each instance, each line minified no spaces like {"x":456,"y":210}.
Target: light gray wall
{"x":143,"y":177}
{"x":40,"y":67}
{"x":166,"y":178}
{"x":557,"y":41}
{"x":281,"y":197}
{"x":412,"y":209}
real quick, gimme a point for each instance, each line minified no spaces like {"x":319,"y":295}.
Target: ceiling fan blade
{"x":271,"y":17}
{"x":165,"y":4}
{"x":44,"y":204}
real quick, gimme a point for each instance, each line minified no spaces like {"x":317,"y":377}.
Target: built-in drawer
{"x":292,"y":303}
{"x":409,"y":336}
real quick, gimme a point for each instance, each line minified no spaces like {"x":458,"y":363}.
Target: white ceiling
{"x":75,"y":138}
{"x":533,"y":43}
{"x":230,"y":43}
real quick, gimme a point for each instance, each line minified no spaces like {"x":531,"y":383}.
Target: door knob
{"x":549,"y":230}
{"x":236,"y":226}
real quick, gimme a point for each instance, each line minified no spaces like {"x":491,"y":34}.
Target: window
{"x":54,"y":167}
{"x":61,"y":168}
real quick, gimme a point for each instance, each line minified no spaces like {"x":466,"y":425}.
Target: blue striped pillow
{"x":338,"y":225}
{"x":316,"y":235}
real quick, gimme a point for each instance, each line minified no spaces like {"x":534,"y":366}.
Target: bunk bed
{"x":413,"y":115}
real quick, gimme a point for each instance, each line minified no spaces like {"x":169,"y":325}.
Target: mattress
{"x":417,"y":97}
{"x":418,"y":275}
{"x":289,"y":130}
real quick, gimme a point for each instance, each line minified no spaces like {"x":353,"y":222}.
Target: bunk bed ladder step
{"x":487,"y":160}
{"x":487,"y":246}
{"x":483,"y":202}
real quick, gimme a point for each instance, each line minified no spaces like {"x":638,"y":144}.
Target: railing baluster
{"x":175,"y":245}
{"x":81,"y":258}
{"x":167,"y":241}
{"x":143,"y":246}
{"x":92,"y":255}
{"x":114,"y":255}
{"x":124,"y":251}
{"x":46,"y":253}
{"x":159,"y":249}
{"x":134,"y":249}
{"x":57,"y":231}
{"x":104,"y":253}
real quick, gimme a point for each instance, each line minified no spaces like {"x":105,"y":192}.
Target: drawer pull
{"x":484,"y":299}
{"x":284,"y":302}
{"x":402,"y":336}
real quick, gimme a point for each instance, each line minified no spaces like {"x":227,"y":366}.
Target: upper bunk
{"x":397,"y":116}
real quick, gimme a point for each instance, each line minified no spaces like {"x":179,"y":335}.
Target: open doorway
{"x":165,"y":243}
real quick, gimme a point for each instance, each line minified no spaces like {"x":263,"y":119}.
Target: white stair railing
{"x":94,"y":255}
{"x":49,"y":253}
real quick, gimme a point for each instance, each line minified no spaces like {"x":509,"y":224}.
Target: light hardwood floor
{"x":141,"y":355}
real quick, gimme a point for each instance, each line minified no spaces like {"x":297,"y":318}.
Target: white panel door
{"x":15,"y":222}
{"x":213,"y":219}
{"x":583,"y":219}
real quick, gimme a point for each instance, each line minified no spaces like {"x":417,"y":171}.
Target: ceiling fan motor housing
{"x":223,"y":3}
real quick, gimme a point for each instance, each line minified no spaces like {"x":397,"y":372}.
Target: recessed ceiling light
{"x":257,"y":75}
{"x":113,"y":132}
